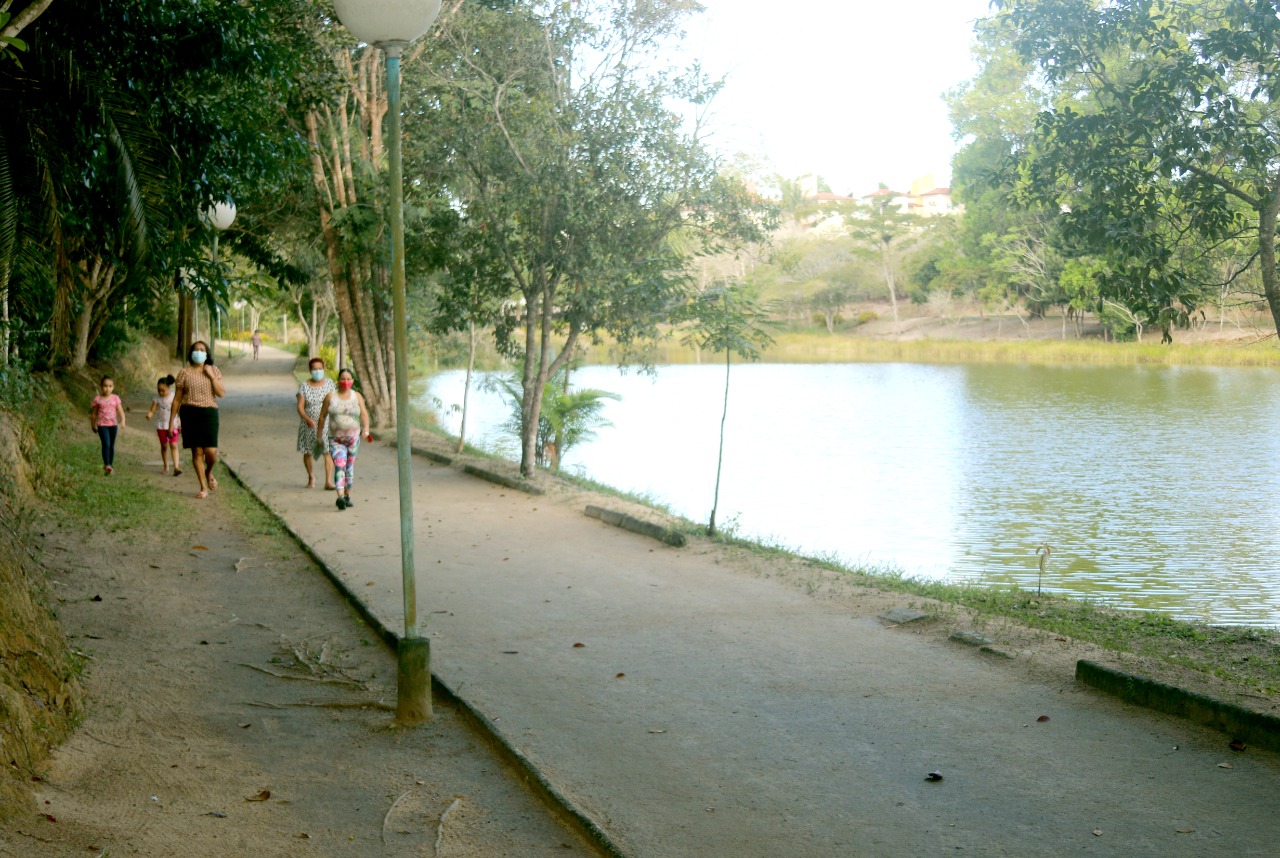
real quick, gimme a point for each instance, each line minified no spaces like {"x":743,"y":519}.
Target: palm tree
{"x":78,"y":165}
{"x":568,"y":417}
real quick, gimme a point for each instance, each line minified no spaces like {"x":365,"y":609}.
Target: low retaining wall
{"x":1256,"y":728}
{"x":636,"y":525}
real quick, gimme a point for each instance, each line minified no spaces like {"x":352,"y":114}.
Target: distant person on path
{"x":195,"y":406}
{"x":256,"y":340}
{"x":161,"y":411}
{"x":106,"y":415}
{"x":312,"y":439}
{"x":348,"y":420}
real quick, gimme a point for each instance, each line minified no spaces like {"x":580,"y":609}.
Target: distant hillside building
{"x":925,"y":199}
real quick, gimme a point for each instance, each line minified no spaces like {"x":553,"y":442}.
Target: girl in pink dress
{"x":105,"y":418}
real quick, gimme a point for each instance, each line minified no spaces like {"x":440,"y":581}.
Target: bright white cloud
{"x":849,"y":89}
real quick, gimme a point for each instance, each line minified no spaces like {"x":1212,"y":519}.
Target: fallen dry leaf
{"x":933,"y":776}
{"x":657,"y":731}
{"x":51,"y":817}
{"x":511,"y":652}
{"x":262,"y":796}
{"x":244,"y":726}
{"x":1043,"y":718}
{"x":619,"y":676}
{"x":1186,"y":831}
{"x":577,"y":645}
{"x":1097,"y":832}
{"x":1238,"y":745}
{"x":198,"y":548}
{"x":1225,"y":766}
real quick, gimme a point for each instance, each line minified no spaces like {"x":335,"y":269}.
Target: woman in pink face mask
{"x":348,"y":422}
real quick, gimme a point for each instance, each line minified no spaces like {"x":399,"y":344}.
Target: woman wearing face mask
{"x":348,"y":422}
{"x":312,"y":439}
{"x":195,"y":406}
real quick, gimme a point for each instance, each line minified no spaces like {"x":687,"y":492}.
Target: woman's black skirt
{"x":199,"y":426}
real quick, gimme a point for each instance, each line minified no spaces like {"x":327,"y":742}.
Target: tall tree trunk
{"x":359,"y":280}
{"x":4,"y":326}
{"x":531,"y":393}
{"x":466,"y":386}
{"x":724,"y":416}
{"x":82,"y":288}
{"x":1267,"y":253}
{"x":539,"y":364}
{"x":889,"y":281}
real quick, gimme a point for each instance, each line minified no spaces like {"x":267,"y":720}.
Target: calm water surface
{"x":1153,"y":485}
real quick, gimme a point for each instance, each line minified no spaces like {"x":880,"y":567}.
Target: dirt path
{"x":239,"y":706}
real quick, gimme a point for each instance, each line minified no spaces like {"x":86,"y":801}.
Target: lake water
{"x":1153,"y":485}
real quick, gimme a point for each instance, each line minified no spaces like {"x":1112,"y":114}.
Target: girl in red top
{"x":105,"y":418}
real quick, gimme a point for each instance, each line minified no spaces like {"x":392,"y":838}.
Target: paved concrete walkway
{"x":716,"y":711}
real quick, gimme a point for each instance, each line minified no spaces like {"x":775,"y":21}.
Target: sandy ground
{"x":238,"y":707}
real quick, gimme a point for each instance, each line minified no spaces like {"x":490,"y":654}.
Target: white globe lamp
{"x":220,"y":215}
{"x":387,"y":22}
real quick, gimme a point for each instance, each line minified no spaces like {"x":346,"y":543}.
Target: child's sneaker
{"x":106,"y":472}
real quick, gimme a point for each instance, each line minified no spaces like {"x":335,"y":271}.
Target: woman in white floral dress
{"x":312,"y":439}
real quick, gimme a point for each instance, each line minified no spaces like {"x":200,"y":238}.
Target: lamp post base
{"x":413,"y":675}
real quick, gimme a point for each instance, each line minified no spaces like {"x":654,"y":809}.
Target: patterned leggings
{"x":343,"y":449}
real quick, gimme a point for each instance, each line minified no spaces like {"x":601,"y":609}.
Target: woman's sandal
{"x":213,"y":484}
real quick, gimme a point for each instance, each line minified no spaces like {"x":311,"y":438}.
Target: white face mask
{"x":317,"y":375}
{"x":198,"y":357}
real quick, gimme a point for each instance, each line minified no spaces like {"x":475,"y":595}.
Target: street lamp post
{"x":220,"y":216}
{"x":391,"y":25}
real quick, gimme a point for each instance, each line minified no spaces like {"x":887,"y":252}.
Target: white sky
{"x":849,"y":89}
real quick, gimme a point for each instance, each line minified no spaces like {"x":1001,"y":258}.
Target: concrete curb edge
{"x":1258,"y":728}
{"x":560,"y":804}
{"x":508,"y":482}
{"x":636,"y":525}
{"x":474,"y":470}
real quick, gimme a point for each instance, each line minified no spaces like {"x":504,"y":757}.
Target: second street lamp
{"x":220,"y":216}
{"x":391,"y":25}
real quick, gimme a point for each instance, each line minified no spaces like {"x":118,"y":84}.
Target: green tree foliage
{"x":1159,"y":135}
{"x":577,"y":190}
{"x":883,"y":229}
{"x":12,"y":23}
{"x":123,"y":121}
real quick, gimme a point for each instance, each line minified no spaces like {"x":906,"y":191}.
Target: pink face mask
{"x":344,"y":384}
